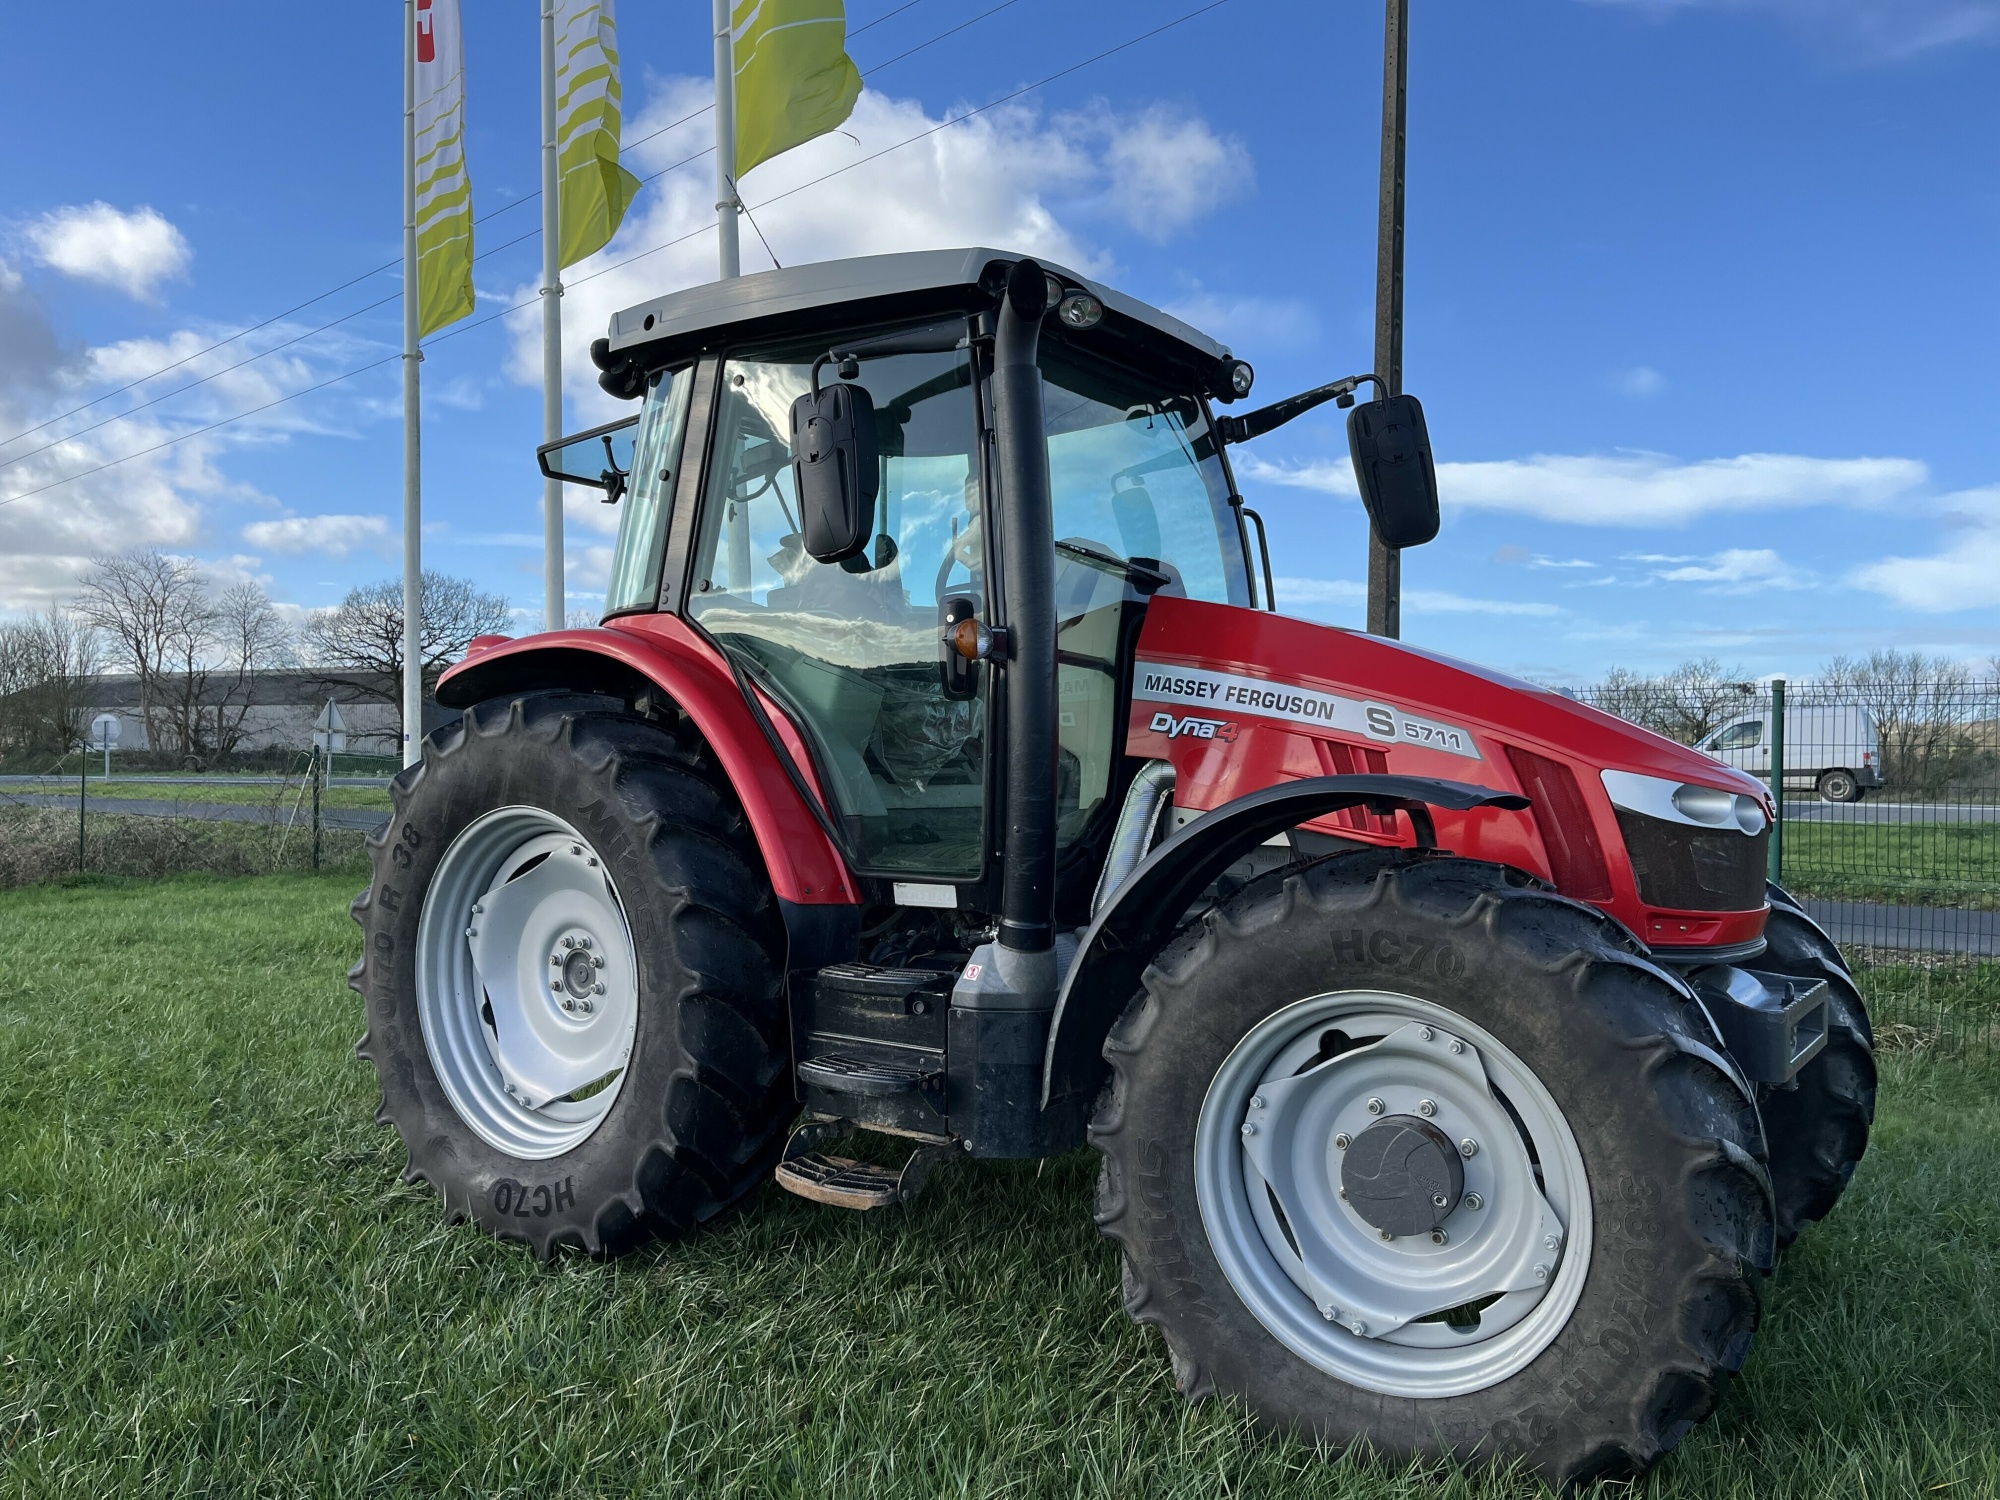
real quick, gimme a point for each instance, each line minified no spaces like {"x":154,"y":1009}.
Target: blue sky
{"x":1700,"y":292}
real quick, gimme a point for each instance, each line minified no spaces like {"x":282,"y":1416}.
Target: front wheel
{"x":1839,"y":786}
{"x":571,"y":965}
{"x":1408,"y":1151}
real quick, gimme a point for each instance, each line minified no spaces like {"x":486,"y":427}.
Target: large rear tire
{"x":1582,"y":1317}
{"x":1817,"y":1129}
{"x":605,"y":1058}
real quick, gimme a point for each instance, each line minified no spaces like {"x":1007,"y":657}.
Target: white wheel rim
{"x":1332,"y":1290}
{"x":527,"y":982}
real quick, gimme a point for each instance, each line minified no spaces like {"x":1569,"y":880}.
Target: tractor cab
{"x":943,"y":769}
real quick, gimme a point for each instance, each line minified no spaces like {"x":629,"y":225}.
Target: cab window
{"x":634,"y":582}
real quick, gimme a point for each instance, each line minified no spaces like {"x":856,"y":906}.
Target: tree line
{"x":196,"y":646}
{"x":1938,"y":719}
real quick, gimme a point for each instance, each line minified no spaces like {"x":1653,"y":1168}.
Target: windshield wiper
{"x":1146,"y":580}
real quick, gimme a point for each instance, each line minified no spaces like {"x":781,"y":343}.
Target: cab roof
{"x":834,"y":295}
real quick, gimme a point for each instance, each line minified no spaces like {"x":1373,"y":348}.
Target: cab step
{"x":843,"y":1073}
{"x":843,"y":1182}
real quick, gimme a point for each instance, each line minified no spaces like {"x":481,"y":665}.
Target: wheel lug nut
{"x":1438,"y":1200}
{"x":1386,"y":1235}
{"x":576,"y":848}
{"x":1468,"y":1147}
{"x":472,"y":932}
{"x":1249,"y":1128}
{"x":569,"y":942}
{"x":1427,"y":1107}
{"x":1376,"y":1106}
{"x":569,"y":1005}
{"x":585,"y":1006}
{"x":597,"y":960}
{"x":1474,"y":1202}
{"x":1342,"y":1141}
{"x":1457,"y":1048}
{"x":555,"y":960}
{"x":1552,"y":1242}
{"x":555,"y":985}
{"x":1256,"y":1101}
{"x":1438,"y":1236}
{"x":583,"y":942}
{"x":1359,"y":1327}
{"x":1541,"y":1273}
{"x":1424,"y":1033}
{"x":597,"y":989}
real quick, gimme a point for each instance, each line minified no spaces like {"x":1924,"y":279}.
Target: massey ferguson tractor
{"x":943,"y":769}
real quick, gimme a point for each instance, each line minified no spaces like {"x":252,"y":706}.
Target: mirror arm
{"x":1255,"y":424}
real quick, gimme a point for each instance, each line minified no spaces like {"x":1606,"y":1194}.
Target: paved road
{"x":1815,"y":811}
{"x":1915,"y":929}
{"x":362,"y":818}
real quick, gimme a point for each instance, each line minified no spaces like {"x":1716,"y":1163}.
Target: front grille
{"x":1695,"y":869}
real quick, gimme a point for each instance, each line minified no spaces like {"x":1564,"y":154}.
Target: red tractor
{"x":942,"y":769}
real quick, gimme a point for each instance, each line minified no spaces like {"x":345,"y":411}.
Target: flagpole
{"x":413,"y":507}
{"x":553,"y":614}
{"x":725,"y":143}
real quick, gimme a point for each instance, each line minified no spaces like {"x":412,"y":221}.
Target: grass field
{"x":285,"y":794}
{"x":1920,"y":864}
{"x":212,"y":1281}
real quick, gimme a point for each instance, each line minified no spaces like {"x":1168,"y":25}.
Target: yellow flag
{"x":794,"y":79}
{"x":444,"y":191}
{"x":596,"y":191}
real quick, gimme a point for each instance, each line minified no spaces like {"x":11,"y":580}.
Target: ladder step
{"x":840,"y":1181}
{"x":843,"y":1182}
{"x":839,"y":1073}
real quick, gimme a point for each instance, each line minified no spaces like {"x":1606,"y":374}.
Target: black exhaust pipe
{"x":1028,"y":551}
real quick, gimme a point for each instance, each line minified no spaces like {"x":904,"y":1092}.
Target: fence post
{"x":82,"y":799}
{"x":314,"y":772}
{"x":1778,"y":780}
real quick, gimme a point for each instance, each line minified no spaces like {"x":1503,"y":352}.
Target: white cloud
{"x":133,"y":252}
{"x":1643,"y":489}
{"x":327,"y":536}
{"x":1248,"y":324}
{"x":1296,"y":592}
{"x":1964,"y":575}
{"x":1736,"y":569}
{"x":997,"y":179}
{"x":1639,"y":380}
{"x":1884,"y":30}
{"x":1167,"y":169}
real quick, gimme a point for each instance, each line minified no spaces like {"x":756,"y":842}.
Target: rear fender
{"x":1148,"y":908}
{"x":662,"y":652}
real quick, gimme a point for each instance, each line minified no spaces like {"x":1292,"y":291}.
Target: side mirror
{"x":1392,"y":465}
{"x":835,"y":468}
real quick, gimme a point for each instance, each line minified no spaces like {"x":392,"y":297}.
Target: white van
{"x":1832,"y":749}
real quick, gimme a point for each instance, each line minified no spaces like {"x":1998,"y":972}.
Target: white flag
{"x":444,"y":192}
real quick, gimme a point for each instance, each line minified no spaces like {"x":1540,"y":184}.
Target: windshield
{"x":634,"y":581}
{"x":1135,"y":477}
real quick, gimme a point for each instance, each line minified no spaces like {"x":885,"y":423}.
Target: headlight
{"x":1686,"y":802}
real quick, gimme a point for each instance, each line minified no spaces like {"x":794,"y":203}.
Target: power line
{"x":392,"y":264}
{"x":643,"y":254}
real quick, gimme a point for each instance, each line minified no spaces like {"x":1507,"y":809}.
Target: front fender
{"x":1147,"y":910}
{"x":661,"y":650}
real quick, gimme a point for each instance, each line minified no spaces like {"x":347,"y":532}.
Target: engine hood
{"x":1426,"y":696}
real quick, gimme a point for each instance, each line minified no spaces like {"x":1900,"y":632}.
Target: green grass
{"x":285,"y":795}
{"x":1922,"y":864}
{"x":212,"y":1280}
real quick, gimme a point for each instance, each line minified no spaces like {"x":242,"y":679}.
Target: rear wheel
{"x":1408,"y":1151}
{"x":1817,"y":1128}
{"x":572,"y":964}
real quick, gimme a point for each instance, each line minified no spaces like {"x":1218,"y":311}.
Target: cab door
{"x":851,"y":649}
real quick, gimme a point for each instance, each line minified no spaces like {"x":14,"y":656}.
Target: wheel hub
{"x":1392,"y":1193}
{"x":1402,"y":1175}
{"x":527,"y":981}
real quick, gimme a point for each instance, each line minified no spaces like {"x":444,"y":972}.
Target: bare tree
{"x":358,"y":644}
{"x":47,"y":668}
{"x":155,"y":611}
{"x":1923,"y":707}
{"x":250,"y":637}
{"x":1685,"y":704}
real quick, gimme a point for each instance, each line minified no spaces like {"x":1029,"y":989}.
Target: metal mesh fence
{"x":1890,"y":834}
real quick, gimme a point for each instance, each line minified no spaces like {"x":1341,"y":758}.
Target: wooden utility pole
{"x":1385,"y":564}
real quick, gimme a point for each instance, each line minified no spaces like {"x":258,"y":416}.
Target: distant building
{"x":283,"y":711}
